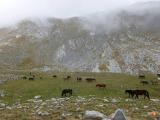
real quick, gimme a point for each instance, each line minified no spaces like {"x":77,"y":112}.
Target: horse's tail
{"x":147,"y":94}
{"x":71,"y":91}
{"x":62,"y":93}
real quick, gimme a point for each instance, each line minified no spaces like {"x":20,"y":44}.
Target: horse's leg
{"x":132,"y":95}
{"x":148,"y":97}
{"x":129,"y":95}
{"x":144,"y":96}
{"x":136,"y":96}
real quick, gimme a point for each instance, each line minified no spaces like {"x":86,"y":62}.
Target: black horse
{"x":66,"y":92}
{"x":54,"y":76}
{"x":130,"y":93}
{"x":136,"y":93}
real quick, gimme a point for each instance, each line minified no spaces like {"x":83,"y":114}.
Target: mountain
{"x":126,"y":40}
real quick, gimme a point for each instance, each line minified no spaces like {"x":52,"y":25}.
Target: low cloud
{"x":14,"y":10}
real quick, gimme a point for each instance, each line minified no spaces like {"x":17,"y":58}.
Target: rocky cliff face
{"x":126,"y":41}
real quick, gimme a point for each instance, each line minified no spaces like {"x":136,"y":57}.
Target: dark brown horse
{"x":142,"y":76}
{"x":66,"y":92}
{"x":145,"y":93}
{"x":67,"y":78}
{"x":136,"y":93}
{"x":154,"y":82}
{"x":101,"y":85}
{"x":158,"y":75}
{"x":24,"y":77}
{"x":31,"y":78}
{"x":90,"y":79}
{"x":54,"y":76}
{"x":79,"y":79}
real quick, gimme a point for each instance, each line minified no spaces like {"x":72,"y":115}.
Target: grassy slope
{"x":50,"y":87}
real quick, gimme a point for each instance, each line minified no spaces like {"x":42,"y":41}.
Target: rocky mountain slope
{"x":127,"y":40}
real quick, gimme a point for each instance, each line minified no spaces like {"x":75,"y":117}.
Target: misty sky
{"x":13,"y":10}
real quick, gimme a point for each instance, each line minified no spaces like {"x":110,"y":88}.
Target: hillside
{"x":124,"y":41}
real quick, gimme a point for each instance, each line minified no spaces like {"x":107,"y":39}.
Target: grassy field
{"x":49,"y":87}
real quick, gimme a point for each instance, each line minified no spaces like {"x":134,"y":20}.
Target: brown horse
{"x":79,"y":79}
{"x":101,"y":85}
{"x":90,"y":79}
{"x":154,"y":82}
{"x":67,"y":78}
{"x":141,"y":92}
{"x":136,"y":93}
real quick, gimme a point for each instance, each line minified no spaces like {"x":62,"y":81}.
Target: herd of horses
{"x":135,"y":93}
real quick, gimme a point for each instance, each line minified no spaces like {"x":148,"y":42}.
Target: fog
{"x":12,"y":11}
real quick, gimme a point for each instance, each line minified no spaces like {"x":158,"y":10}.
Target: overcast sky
{"x":13,"y":10}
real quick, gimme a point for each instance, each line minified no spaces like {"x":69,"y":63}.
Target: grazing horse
{"x":101,"y":85}
{"x":144,"y":82}
{"x":31,"y":78}
{"x":66,"y":92}
{"x":130,"y":93}
{"x":67,"y":78}
{"x":158,"y":75}
{"x":136,"y":93}
{"x":54,"y":76}
{"x":90,"y":79}
{"x":79,"y":79}
{"x":24,"y":77}
{"x":154,"y":82}
{"x":141,"y":92}
{"x":141,"y":76}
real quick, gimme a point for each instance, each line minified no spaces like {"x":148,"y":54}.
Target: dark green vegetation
{"x":49,"y":87}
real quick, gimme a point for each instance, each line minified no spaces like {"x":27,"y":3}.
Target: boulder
{"x":119,"y":115}
{"x":37,"y":97}
{"x":43,"y":113}
{"x":2,"y":94}
{"x":114,"y":101}
{"x":155,"y":100}
{"x":94,"y":115}
{"x":2,"y":105}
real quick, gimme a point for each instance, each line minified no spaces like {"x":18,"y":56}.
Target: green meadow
{"x":49,"y":87}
